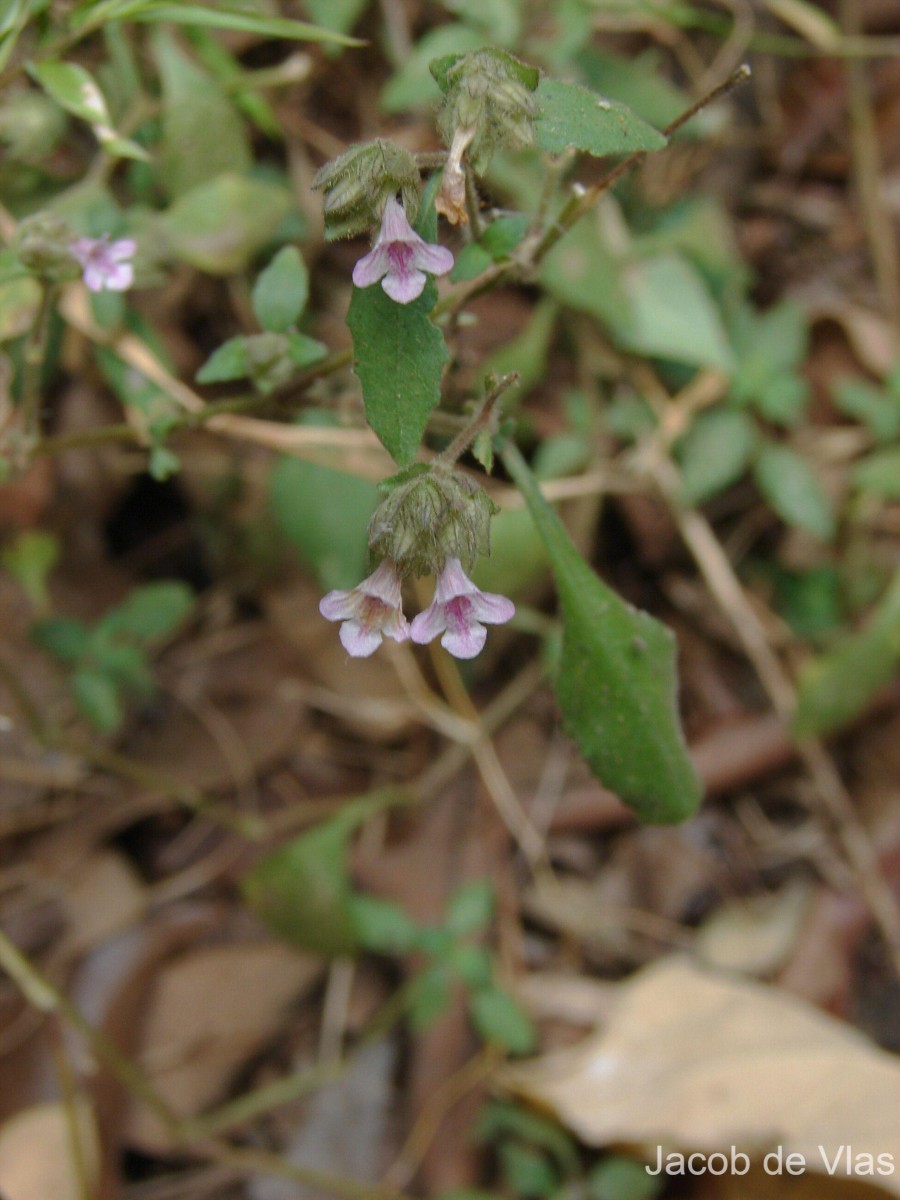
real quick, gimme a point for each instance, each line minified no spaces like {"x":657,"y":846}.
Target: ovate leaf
{"x":325,"y":514}
{"x":617,"y":679}
{"x":203,"y":135}
{"x":789,"y":484}
{"x":303,"y":893}
{"x":835,"y":688}
{"x":152,"y":611}
{"x":500,"y":1021}
{"x":673,"y":314}
{"x":220,"y":225}
{"x":879,"y":473}
{"x":399,"y":356}
{"x":98,"y":699}
{"x":228,"y":361}
{"x":281,"y":291}
{"x":573,"y":117}
{"x":714,"y":453}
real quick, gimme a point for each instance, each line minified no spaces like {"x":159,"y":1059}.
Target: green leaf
{"x":30,"y":559}
{"x":399,"y":356}
{"x":473,"y":964}
{"x":503,"y":235}
{"x":571,"y":117}
{"x":12,"y":21}
{"x":837,"y":687}
{"x":304,"y":350}
{"x":878,"y":410}
{"x":500,"y":21}
{"x":235,"y":18}
{"x":431,"y":994}
{"x":640,"y":82}
{"x":470,"y":262}
{"x":337,"y":15}
{"x":302,"y":891}
{"x":783,"y":400}
{"x":617,"y":678}
{"x":163,"y":463}
{"x":98,"y":699}
{"x":470,"y":908}
{"x":619,"y":1178}
{"x":714,"y":453}
{"x":673,"y":314}
{"x":228,"y":361}
{"x":413,"y":84}
{"x":581,"y":271}
{"x":203,"y":135}
{"x":382,"y":926}
{"x":152,"y":611}
{"x":74,"y":89}
{"x":325,"y":514}
{"x":527,"y":1172}
{"x":789,"y":484}
{"x":501,"y":1021}
{"x":122,"y":662}
{"x":66,"y":639}
{"x":221,"y":225}
{"x":879,"y":474}
{"x":500,"y":1120}
{"x":281,"y":291}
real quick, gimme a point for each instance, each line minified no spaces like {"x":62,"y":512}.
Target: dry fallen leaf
{"x":694,"y":1061}
{"x":36,"y":1158}
{"x":211,"y":1011}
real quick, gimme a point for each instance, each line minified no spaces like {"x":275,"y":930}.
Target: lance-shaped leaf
{"x":399,"y":356}
{"x":571,"y":117}
{"x":617,"y":683}
{"x":224,"y":16}
{"x":74,"y":89}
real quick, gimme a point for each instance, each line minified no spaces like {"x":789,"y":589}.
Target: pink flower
{"x":369,"y":611}
{"x":104,"y":262}
{"x":401,"y":257}
{"x":459,"y":607}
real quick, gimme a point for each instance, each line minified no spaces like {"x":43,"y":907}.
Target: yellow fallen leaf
{"x":693,"y":1061}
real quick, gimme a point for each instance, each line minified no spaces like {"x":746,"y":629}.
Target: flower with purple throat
{"x":458,"y":610}
{"x":400,"y":258}
{"x":104,"y":263}
{"x":370,"y":611}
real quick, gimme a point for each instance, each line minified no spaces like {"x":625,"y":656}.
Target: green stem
{"x":254,"y":1104}
{"x":33,"y":364}
{"x":584,"y":199}
{"x":481,"y":419}
{"x":44,"y":996}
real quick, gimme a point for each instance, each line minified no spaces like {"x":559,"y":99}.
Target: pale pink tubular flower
{"x":457,"y":610}
{"x":369,"y":611}
{"x":104,"y":263}
{"x":400,"y":258}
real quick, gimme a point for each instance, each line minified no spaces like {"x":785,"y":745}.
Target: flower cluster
{"x":373,"y":610}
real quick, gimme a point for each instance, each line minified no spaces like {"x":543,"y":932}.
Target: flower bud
{"x":429,"y":516}
{"x":42,"y":244}
{"x":489,"y":93}
{"x":358,"y":184}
